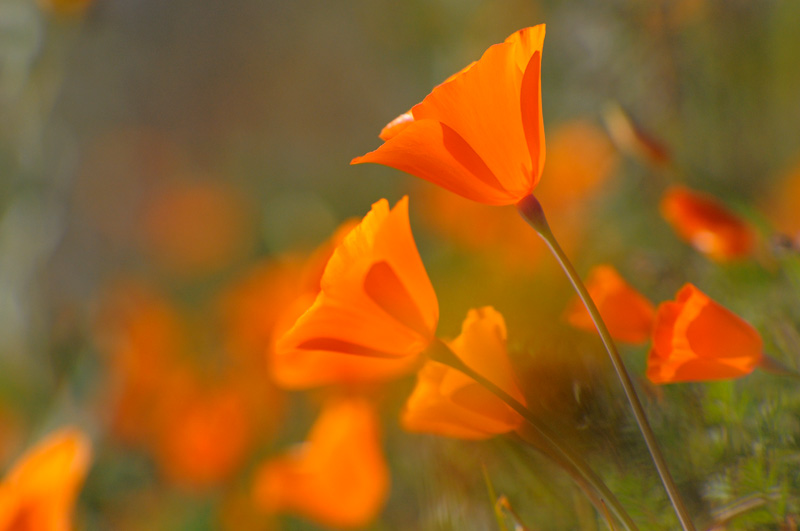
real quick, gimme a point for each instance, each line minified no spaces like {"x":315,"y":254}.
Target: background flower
{"x":696,"y":339}
{"x":338,"y":477}
{"x":705,"y":223}
{"x":626,"y":312}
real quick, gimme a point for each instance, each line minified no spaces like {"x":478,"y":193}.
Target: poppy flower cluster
{"x":199,"y":428}
{"x":374,"y":316}
{"x":480,"y":135}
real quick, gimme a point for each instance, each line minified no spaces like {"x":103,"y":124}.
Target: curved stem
{"x":552,"y":447}
{"x":531,"y":210}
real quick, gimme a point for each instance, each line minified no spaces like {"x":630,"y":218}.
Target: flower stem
{"x":546,"y":440}
{"x":531,"y":211}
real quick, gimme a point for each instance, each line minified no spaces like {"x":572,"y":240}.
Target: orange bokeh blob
{"x":199,"y":418}
{"x":626,"y":312}
{"x":783,"y":206}
{"x":707,"y":225}
{"x":338,"y":477}
{"x":193,"y":228}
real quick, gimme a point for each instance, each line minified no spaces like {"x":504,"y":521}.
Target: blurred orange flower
{"x":338,"y":478}
{"x":580,"y":159}
{"x":141,"y":334}
{"x":626,"y":312}
{"x":39,"y":492}
{"x":204,"y":434}
{"x":696,"y":339}
{"x":783,"y":208}
{"x":480,"y":133}
{"x":194,"y":228}
{"x":66,"y":7}
{"x":200,"y":432}
{"x":704,"y":222}
{"x":447,"y":402}
{"x":375,"y":313}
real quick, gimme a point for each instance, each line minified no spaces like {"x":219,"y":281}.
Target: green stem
{"x":552,"y":447}
{"x":531,"y":210}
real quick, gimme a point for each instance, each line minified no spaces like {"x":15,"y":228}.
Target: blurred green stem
{"x":543,"y":439}
{"x":531,"y":211}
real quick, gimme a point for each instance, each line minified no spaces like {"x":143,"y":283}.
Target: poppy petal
{"x":435,"y":152}
{"x":483,"y":106}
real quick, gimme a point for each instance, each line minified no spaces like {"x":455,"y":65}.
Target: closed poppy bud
{"x":39,"y":492}
{"x":626,"y":312}
{"x":696,"y":339}
{"x":338,"y":478}
{"x":447,"y":402}
{"x":375,"y":313}
{"x":480,"y":133}
{"x":705,"y":223}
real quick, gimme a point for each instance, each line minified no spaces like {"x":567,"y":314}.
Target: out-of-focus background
{"x":161,"y":162}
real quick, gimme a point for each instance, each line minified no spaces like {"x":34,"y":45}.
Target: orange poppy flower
{"x":480,"y":133}
{"x":705,"y":223}
{"x":447,"y":402}
{"x":626,"y":312}
{"x":375,"y":313}
{"x":696,"y":339}
{"x":338,"y":478}
{"x":39,"y":493}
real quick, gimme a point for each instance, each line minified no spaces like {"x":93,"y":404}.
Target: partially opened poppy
{"x":447,"y":402}
{"x":375,"y":313}
{"x":704,"y":222}
{"x":338,"y":477}
{"x":480,"y":133}
{"x":696,"y":339}
{"x":626,"y":312}
{"x":39,"y":492}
